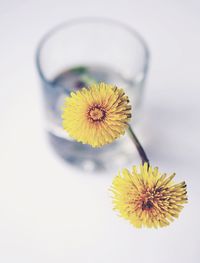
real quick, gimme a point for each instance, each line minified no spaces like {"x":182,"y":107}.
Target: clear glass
{"x":80,"y":52}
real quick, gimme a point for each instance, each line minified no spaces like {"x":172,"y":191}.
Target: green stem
{"x":138,"y":146}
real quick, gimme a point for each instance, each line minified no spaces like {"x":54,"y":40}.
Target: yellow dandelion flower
{"x":97,"y":115}
{"x":148,"y":198}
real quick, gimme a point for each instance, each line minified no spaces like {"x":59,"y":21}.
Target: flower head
{"x":147,"y":198}
{"x":97,"y":115}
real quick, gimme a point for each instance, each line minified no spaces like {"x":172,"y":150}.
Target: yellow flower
{"x":97,"y":115}
{"x":146,"y":198}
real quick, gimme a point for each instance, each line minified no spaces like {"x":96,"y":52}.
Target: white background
{"x":50,"y":212}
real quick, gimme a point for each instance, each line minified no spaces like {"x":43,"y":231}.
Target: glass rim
{"x":82,"y":20}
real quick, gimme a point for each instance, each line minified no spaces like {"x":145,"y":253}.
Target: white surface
{"x":52,"y":213}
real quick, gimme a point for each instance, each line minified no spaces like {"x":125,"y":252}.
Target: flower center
{"x":147,"y":200}
{"x":147,"y":205}
{"x":96,"y":113}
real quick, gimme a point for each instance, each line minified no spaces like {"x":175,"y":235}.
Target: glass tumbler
{"x":81,"y":52}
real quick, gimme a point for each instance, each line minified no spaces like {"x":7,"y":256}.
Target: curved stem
{"x":138,"y":146}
